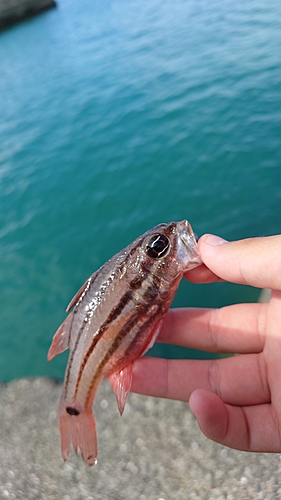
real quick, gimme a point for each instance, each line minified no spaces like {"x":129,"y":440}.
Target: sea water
{"x":115,"y":116}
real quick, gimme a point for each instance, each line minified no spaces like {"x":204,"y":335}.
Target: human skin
{"x":236,"y":400}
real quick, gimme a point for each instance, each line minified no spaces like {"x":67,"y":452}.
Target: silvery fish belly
{"x":115,"y":318}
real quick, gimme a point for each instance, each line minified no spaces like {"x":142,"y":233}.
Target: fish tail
{"x":79,"y":428}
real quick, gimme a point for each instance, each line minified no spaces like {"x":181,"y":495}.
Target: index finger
{"x":238,"y":328}
{"x":254,"y":261}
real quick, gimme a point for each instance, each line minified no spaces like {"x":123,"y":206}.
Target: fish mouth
{"x":189,"y":241}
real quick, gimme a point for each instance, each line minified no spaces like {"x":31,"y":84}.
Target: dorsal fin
{"x":61,"y":338}
{"x":80,"y":292}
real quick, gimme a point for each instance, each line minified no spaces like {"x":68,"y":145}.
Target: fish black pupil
{"x":157,"y":246}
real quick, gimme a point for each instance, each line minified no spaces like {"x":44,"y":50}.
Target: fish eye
{"x":157,"y":246}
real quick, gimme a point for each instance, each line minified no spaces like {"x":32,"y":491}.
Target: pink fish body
{"x":115,"y":318}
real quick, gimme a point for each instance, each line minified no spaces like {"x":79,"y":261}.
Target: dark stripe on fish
{"x":114,"y":314}
{"x":143,"y":327}
{"x":118,"y":340}
{"x":135,"y":284}
{"x":114,"y":346}
{"x":71,"y":357}
{"x":151,"y":292}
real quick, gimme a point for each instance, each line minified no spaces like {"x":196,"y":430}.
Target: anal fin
{"x":121,"y":383}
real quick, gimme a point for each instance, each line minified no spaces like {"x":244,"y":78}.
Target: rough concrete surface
{"x":155,"y":451}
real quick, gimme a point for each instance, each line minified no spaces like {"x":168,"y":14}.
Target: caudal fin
{"x":78,"y":428}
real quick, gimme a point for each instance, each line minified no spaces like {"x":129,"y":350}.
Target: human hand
{"x":236,"y":400}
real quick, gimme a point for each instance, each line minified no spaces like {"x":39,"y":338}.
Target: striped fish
{"x":115,"y":318}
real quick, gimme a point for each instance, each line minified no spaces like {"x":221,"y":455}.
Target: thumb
{"x":253,"y":261}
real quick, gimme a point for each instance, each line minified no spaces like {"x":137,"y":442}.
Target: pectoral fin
{"x":153,"y":336}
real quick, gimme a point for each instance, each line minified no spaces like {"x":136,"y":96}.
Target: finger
{"x":239,"y":380}
{"x":239,"y":328}
{"x":201,"y":274}
{"x":254,"y":261}
{"x":242,"y":428}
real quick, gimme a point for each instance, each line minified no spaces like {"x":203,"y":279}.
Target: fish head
{"x":169,"y":250}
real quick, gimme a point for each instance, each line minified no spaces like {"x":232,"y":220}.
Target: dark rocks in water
{"x":13,"y":11}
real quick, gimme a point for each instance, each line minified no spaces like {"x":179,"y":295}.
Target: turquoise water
{"x":115,"y":116}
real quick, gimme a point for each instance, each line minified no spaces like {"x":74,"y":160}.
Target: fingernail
{"x":214,"y":240}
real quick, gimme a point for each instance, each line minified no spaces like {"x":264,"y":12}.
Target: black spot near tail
{"x":72,"y":411}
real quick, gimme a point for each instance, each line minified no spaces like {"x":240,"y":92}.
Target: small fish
{"x":116,"y":316}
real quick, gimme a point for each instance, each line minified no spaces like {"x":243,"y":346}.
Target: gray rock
{"x":12,"y":11}
{"x":155,"y":451}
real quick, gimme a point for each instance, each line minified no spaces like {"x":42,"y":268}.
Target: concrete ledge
{"x":155,"y":451}
{"x":13,"y":11}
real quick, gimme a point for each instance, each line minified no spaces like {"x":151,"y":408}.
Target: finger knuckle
{"x":214,"y":377}
{"x":212,"y":329}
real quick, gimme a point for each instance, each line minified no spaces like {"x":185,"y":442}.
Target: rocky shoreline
{"x":13,"y":11}
{"x":155,"y":451}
